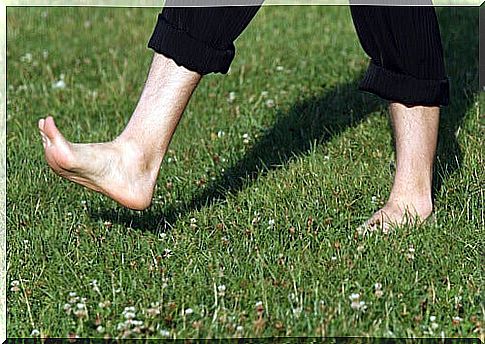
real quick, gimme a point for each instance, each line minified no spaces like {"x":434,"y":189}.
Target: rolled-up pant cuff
{"x":404,"y":89}
{"x":180,"y":46}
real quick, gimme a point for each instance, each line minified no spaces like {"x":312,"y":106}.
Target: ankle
{"x":142,"y":155}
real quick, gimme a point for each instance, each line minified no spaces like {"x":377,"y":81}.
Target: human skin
{"x":126,"y":168}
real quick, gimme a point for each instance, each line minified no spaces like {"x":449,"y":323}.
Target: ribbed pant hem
{"x":187,"y":51}
{"x":405,"y":89}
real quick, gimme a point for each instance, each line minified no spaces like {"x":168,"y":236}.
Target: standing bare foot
{"x":396,"y":213}
{"x":415,"y":131}
{"x":118,"y":170}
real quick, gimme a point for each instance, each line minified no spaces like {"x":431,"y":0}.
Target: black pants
{"x":404,"y":45}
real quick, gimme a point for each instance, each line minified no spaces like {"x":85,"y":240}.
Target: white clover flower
{"x":81,"y":306}
{"x":72,"y":294}
{"x":326,"y":157}
{"x":60,"y":84}
{"x":378,"y":286}
{"x":221,"y":288}
{"x":334,"y":258}
{"x":457,"y":319}
{"x":354,"y":296}
{"x":220,"y":133}
{"x":193,"y":220}
{"x":432,"y":318}
{"x":374,"y":199}
{"x":259,"y":304}
{"x":35,"y":333}
{"x":137,"y":322}
{"x":100,"y":329}
{"x":239,"y":328}
{"x":271,"y":222}
{"x":26,"y":58}
{"x":129,"y":315}
{"x":15,"y":286}
{"x":189,"y":311}
{"x":164,"y":333}
{"x":270,"y":103}
{"x":434,"y":326}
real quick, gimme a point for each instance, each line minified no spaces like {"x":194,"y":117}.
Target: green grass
{"x":318,"y":162}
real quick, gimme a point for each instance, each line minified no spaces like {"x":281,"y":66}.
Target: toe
{"x":51,"y":130}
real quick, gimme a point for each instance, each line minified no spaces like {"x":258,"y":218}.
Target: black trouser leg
{"x":200,"y":38}
{"x":404,"y":45}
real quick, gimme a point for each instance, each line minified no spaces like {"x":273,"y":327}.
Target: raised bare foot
{"x":119,"y":170}
{"x":397,"y":213}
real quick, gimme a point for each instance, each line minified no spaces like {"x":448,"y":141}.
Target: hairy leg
{"x":416,"y":132}
{"x":126,"y":168}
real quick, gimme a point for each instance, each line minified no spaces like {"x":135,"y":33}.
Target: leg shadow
{"x":313,"y":121}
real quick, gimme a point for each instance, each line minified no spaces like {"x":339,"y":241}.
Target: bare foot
{"x":396,"y":213}
{"x":116,"y":169}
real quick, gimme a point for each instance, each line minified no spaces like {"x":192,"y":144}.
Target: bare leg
{"x":126,"y":169}
{"x":416,"y":132}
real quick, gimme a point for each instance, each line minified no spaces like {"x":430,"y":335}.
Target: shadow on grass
{"x":317,"y":120}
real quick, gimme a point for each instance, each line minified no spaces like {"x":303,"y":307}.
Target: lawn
{"x":252,"y":232}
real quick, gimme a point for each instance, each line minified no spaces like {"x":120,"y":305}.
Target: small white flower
{"x":26,"y":58}
{"x":163,"y":235}
{"x":279,"y":68}
{"x":271,"y":222}
{"x":334,"y":258}
{"x":193,"y":220}
{"x":411,"y":249}
{"x":378,"y":286}
{"x":164,"y":333}
{"x":259,"y":303}
{"x":354,"y":296}
{"x":221,"y":288}
{"x":220,"y":133}
{"x":189,"y":311}
{"x":137,"y":323}
{"x":457,"y":319}
{"x":72,"y":294}
{"x":231,"y":97}
{"x":270,"y":103}
{"x":35,"y":333}
{"x":432,"y":318}
{"x":374,"y":199}
{"x":239,"y":328}
{"x":67,"y":307}
{"x":129,"y":309}
{"x":296,"y":311}
{"x":60,"y":84}
{"x":129,"y":315}
{"x":100,"y":329}
{"x":81,"y":306}
{"x":434,"y":326}
{"x":326,"y":157}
